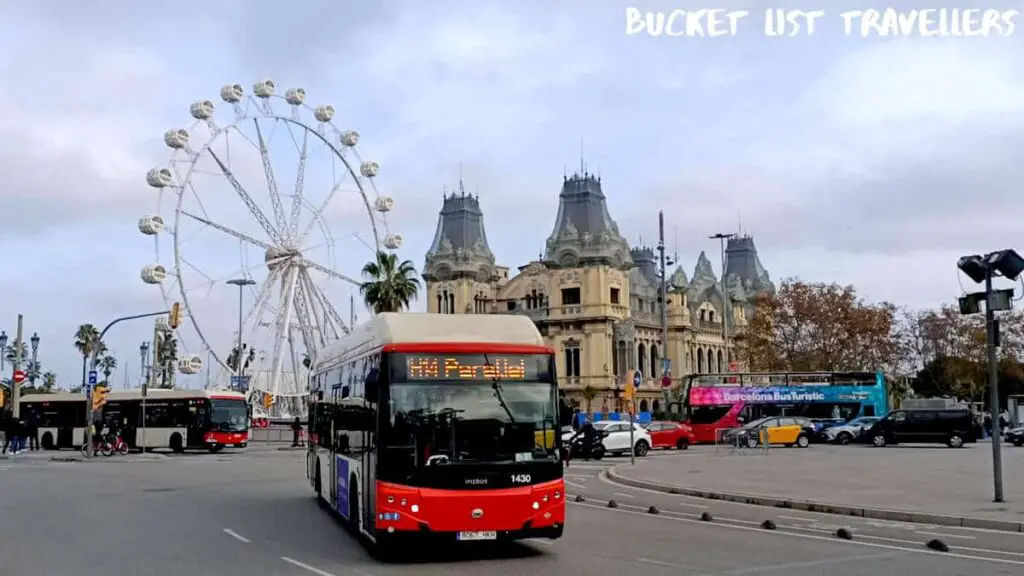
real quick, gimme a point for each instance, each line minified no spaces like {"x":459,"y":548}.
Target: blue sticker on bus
{"x":342,"y":475}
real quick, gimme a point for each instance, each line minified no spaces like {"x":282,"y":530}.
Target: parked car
{"x":670,"y":435}
{"x":815,"y":430}
{"x":784,"y":430}
{"x":615,"y":437}
{"x":951,"y":427}
{"x":1016,"y":436}
{"x":851,"y":431}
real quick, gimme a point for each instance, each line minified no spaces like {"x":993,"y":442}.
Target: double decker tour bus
{"x":177,"y":419}
{"x":438,"y":425}
{"x":714,"y":402}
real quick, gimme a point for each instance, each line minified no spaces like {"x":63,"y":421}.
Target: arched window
{"x":700,"y":360}
{"x":703,"y":315}
{"x":711,"y":315}
{"x":643,"y":405}
{"x":721,"y":365}
{"x":451,"y":303}
{"x":656,"y":406}
{"x":439,"y":310}
{"x":641,"y":357}
{"x":654,"y":361}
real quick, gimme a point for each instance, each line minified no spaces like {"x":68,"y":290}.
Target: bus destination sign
{"x":435,"y":367}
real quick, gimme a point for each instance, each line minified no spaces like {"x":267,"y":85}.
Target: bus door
{"x":199,"y":417}
{"x":369,"y":419}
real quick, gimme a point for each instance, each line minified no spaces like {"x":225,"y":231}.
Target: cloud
{"x":873,"y":162}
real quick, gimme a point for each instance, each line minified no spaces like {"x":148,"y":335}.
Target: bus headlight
{"x":536,"y":505}
{"x":415,"y":508}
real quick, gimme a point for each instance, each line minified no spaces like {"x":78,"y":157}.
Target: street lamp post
{"x":3,"y":349}
{"x":34,"y":368}
{"x":666,"y":366}
{"x":144,"y":354}
{"x":1008,"y":264}
{"x":241,"y":283}
{"x":725,"y":296}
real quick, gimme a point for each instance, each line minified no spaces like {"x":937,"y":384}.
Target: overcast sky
{"x":874,"y":162}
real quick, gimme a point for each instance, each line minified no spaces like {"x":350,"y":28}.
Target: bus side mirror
{"x":372,"y":385}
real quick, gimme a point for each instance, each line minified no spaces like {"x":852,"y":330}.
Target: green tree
{"x":49,"y":382}
{"x":11,"y":350}
{"x":87,"y":342}
{"x":589,"y":393}
{"x":107,"y":364}
{"x":391,"y":285}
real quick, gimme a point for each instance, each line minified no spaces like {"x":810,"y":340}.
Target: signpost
{"x":240,"y":383}
{"x":19,"y":376}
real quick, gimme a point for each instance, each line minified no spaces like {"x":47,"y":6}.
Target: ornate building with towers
{"x":594,"y":298}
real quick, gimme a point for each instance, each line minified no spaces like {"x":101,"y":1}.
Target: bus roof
{"x":396,"y":328}
{"x":151,"y":394}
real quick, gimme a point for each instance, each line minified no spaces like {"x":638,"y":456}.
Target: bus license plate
{"x":476,"y":536}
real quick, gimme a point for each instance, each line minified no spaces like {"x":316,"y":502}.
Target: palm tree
{"x":107,"y":364}
{"x":391,"y":286}
{"x":33,"y":371}
{"x":9,"y":353}
{"x":49,"y":382}
{"x":87,"y":341}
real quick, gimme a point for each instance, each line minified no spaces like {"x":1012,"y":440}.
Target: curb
{"x":822,"y":507}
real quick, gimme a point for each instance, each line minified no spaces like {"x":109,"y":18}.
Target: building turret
{"x":743,"y":263}
{"x":584,"y":232}
{"x":460,"y":269}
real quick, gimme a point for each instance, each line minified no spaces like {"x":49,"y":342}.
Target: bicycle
{"x":118,"y":445}
{"x":100,"y":445}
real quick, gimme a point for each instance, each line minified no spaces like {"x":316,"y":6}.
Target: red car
{"x":671,"y":435}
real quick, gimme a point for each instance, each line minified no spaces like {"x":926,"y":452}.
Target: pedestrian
{"x":8,"y":429}
{"x":296,"y":432}
{"x":17,"y":435}
{"x":32,"y":430}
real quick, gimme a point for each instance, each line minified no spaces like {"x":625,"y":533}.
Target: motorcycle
{"x":577,"y":447}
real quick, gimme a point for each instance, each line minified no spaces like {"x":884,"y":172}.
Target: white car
{"x":616,"y":437}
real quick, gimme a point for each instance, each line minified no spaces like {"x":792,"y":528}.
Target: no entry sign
{"x":19,"y":376}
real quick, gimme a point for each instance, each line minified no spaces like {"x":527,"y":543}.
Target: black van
{"x":950,"y":427}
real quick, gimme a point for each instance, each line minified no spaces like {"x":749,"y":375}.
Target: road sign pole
{"x":16,"y":384}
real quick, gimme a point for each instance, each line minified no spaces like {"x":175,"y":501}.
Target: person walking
{"x":7,"y":422}
{"x":296,"y":432}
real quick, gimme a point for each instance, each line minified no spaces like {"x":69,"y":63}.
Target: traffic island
{"x":948,"y":491}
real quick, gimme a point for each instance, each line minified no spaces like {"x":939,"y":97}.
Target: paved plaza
{"x":929,"y":479}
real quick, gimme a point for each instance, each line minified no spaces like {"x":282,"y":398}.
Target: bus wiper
{"x":496,"y":386}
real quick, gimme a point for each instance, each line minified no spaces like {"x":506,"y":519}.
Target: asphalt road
{"x":252,"y":514}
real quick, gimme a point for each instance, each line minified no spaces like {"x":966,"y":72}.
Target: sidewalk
{"x":912,"y":484}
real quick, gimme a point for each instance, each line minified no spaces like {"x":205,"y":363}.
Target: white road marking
{"x":575,"y":485}
{"x":236,"y":536}
{"x":541,"y":542}
{"x":877,"y":523}
{"x":940,"y":535}
{"x":624,"y":495}
{"x":305,"y":566}
{"x":663,"y":563}
{"x":821,"y":538}
{"x":798,"y":519}
{"x":816,"y":563}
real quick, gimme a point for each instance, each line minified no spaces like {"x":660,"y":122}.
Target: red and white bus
{"x":438,"y":425}
{"x":176,"y":419}
{"x":181,"y":419}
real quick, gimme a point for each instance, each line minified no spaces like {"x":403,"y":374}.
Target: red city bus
{"x":178,"y":419}
{"x":430,"y":425}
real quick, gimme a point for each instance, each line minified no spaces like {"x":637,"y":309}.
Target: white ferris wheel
{"x":264,"y":220}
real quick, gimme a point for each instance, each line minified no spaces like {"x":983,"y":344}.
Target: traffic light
{"x":99,"y":397}
{"x":174,"y":318}
{"x":630,"y":388}
{"x":3,"y":399}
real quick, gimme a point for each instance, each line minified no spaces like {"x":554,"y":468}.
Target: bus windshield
{"x":439,"y":424}
{"x":229,"y":416}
